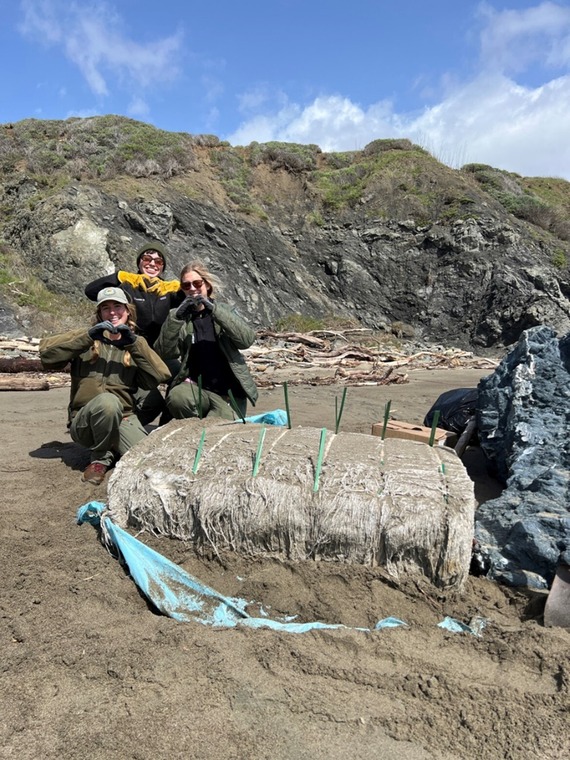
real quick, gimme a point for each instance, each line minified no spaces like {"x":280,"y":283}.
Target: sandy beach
{"x":89,"y":670}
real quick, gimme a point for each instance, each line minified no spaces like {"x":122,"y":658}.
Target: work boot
{"x":95,"y":473}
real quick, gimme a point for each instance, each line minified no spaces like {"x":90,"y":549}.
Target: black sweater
{"x":152,"y":296}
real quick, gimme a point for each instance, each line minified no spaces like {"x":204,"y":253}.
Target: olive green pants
{"x":101,"y":427}
{"x":184,"y":401}
{"x":151,"y":404}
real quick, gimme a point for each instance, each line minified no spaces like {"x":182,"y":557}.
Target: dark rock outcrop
{"x":524,"y":421}
{"x":385,"y":235}
{"x":474,"y":284}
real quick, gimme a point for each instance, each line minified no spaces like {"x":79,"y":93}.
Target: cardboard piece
{"x":412,"y":432}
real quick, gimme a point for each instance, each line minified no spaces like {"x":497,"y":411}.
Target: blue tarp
{"x":475,"y":626}
{"x":179,"y":595}
{"x":276,"y":417}
{"x":172,"y":590}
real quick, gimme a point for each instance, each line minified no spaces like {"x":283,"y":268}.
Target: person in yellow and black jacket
{"x":109,"y":364}
{"x":147,"y":290}
{"x":153,"y":297}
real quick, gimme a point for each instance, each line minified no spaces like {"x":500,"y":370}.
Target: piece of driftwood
{"x":12,"y":383}
{"x":557,"y":607}
{"x":399,"y":504}
{"x":466,"y":435}
{"x":23,"y":345}
{"x":15,"y":364}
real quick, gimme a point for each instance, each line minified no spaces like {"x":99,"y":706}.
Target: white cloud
{"x":40,"y":19}
{"x":512,"y":40}
{"x":253,"y":99}
{"x":333,"y":122}
{"x":213,"y":88}
{"x":495,"y":121}
{"x":85,"y":113}
{"x":211,"y":120}
{"x":491,"y":119}
{"x":92,"y":38}
{"x":138,"y":107}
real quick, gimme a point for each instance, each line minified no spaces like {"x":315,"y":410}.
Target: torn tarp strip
{"x":456,"y":626}
{"x":175,"y":592}
{"x":183,"y":597}
{"x":389,"y":622}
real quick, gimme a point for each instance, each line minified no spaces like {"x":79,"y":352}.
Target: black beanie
{"x":154,"y":246}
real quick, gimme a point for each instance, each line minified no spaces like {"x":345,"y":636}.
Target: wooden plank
{"x":23,"y":384}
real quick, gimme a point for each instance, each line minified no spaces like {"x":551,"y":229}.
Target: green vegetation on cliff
{"x":389,"y":178}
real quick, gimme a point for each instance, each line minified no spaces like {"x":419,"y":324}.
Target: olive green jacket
{"x":232,"y":333}
{"x":99,"y":366}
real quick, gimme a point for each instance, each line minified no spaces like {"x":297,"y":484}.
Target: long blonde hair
{"x":200,"y":268}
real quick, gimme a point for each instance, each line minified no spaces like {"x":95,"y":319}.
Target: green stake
{"x":339,"y":415}
{"x":433,"y":427}
{"x":235,"y":407}
{"x":445,"y":495}
{"x":258,"y":452}
{"x":320,"y":459}
{"x":386,"y":418}
{"x":200,"y":396}
{"x":199,"y":452}
{"x":286,"y":393}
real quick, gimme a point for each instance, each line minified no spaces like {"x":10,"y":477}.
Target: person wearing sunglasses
{"x":153,"y":297}
{"x":208,"y":337}
{"x":146,"y":288}
{"x":109,"y":364}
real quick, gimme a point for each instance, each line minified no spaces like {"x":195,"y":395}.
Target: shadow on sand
{"x":71,"y":454}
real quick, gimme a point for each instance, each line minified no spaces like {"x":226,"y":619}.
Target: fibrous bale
{"x":400,"y":504}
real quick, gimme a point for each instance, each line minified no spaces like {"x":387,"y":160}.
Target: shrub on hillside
{"x":292,"y":157}
{"x":381,"y":146}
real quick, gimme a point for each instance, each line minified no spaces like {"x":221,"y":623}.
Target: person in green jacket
{"x":153,"y":297}
{"x":207,"y":336}
{"x":109,"y":363}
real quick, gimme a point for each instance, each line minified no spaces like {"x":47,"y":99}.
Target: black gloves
{"x":127,"y":336}
{"x":201,"y":300}
{"x":191,"y":304}
{"x":187,"y":306}
{"x":96,"y":332}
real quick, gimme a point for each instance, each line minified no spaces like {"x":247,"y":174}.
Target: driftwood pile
{"x":21,"y":369}
{"x":345,"y":357}
{"x":324,"y":357}
{"x":304,"y":494}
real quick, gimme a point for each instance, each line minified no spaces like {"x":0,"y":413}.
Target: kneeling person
{"x":109,"y":363}
{"x":207,"y":336}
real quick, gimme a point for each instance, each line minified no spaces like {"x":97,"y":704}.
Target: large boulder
{"x":524,"y":423}
{"x":348,"y":497}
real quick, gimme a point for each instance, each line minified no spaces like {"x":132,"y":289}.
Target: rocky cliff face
{"x":474,"y":279}
{"x":523,"y":416}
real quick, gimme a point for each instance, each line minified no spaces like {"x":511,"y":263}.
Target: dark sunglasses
{"x":197,"y":284}
{"x":153,"y":260}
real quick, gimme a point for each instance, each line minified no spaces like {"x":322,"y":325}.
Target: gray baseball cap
{"x":112,"y":294}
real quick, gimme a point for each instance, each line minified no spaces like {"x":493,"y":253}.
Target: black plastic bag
{"x":455,"y":409}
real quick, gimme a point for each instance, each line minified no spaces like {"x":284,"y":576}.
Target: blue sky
{"x":470,"y":81}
